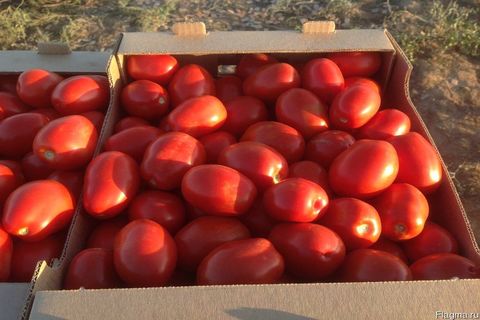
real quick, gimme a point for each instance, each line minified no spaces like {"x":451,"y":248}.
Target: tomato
{"x":311,"y":171}
{"x":111,"y":181}
{"x":259,"y":162}
{"x":403,"y":210}
{"x":247,"y":261}
{"x":281,"y":137}
{"x":17,"y":133}
{"x":243,"y":112}
{"x":103,"y":235}
{"x":66,"y":143}
{"x":35,"y":169}
{"x":311,"y":251}
{"x":95,"y":117}
{"x":50,"y":113}
{"x":270,"y":81}
{"x":218,"y":190}
{"x":324,"y":78}
{"x":11,"y":177}
{"x":8,"y":83}
{"x":192,"y":212}
{"x":324,"y":147}
{"x":198,"y":238}
{"x":385,"y":124}
{"x":444,"y":266}
{"x":361,"y":64}
{"x":419,"y":162}
{"x":10,"y":105}
{"x":35,"y":87}
{"x":6,"y":252}
{"x":251,"y":63}
{"x":73,"y":180}
{"x":391,"y":247}
{"x":79,"y":94}
{"x":190,"y":81}
{"x":144,"y":254}
{"x":133,"y":141}
{"x":130,"y":122}
{"x":168,"y":158}
{"x":367,"y":265}
{"x":228,"y":88}
{"x":91,"y":269}
{"x":355,"y":81}
{"x":433,"y":239}
{"x":145,"y":99}
{"x":157,"y":68}
{"x":295,"y":200}
{"x":257,"y":220}
{"x":214,"y":143}
{"x":364,"y":170}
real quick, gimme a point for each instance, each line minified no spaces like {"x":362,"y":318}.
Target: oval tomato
{"x":95,"y":117}
{"x":214,"y":143}
{"x":444,"y":266}
{"x":243,"y":112}
{"x":324,"y":78}
{"x":391,"y":247}
{"x":190,"y":81}
{"x":258,"y":221}
{"x":6,"y":252}
{"x":130,"y":122}
{"x":103,"y":235}
{"x":10,"y":105}
{"x":355,"y":81}
{"x":251,"y":63}
{"x":35,"y":87}
{"x":72,"y":180}
{"x":11,"y":177}
{"x":159,"y":68}
{"x":362,"y":64}
{"x":145,"y":99}
{"x":35,"y":169}
{"x":311,"y":171}
{"x":228,"y":88}
{"x":385,"y":124}
{"x":324,"y":147}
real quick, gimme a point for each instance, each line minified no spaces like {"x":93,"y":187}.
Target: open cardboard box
{"x":57,"y":58}
{"x":413,"y":299}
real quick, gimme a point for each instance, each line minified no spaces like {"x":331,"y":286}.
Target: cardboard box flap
{"x":12,"y":299}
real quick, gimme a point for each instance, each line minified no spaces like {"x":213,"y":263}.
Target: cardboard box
{"x":402,"y":300}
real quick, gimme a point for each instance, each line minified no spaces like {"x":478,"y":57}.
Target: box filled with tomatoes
{"x":253,"y":175}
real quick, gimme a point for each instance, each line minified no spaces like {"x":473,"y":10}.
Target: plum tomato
{"x":323,"y":77}
{"x":95,"y":117}
{"x":357,"y":64}
{"x":35,"y":169}
{"x":35,"y":87}
{"x":6,"y":252}
{"x":103,"y":235}
{"x":10,"y":105}
{"x":243,"y":112}
{"x":355,"y":81}
{"x":145,"y":99}
{"x":311,"y":171}
{"x":324,"y":147}
{"x":11,"y":177}
{"x":130,"y":122}
{"x":250,"y":63}
{"x":385,"y":124}
{"x":228,"y":87}
{"x":444,"y":266}
{"x":214,"y":143}
{"x":73,"y":180}
{"x":257,"y":220}
{"x":158,"y":68}
{"x":190,"y":81}
{"x":383,"y":244}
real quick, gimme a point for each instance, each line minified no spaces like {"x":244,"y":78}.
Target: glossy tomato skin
{"x":103,"y":235}
{"x":383,"y":244}
{"x":311,"y":171}
{"x":419,"y":162}
{"x":112,"y":180}
{"x":130,"y":122}
{"x":80,"y":94}
{"x":228,"y":88}
{"x":198,"y":238}
{"x":145,"y":99}
{"x":38,"y":209}
{"x":168,"y":158}
{"x":10,"y":105}
{"x":257,"y":220}
{"x":323,"y":77}
{"x":190,"y":81}
{"x":35,"y":169}
{"x":247,"y":261}
{"x":6,"y":252}
{"x":218,"y":190}
{"x":444,"y":266}
{"x":67,"y":143}
{"x":35,"y":87}
{"x":198,"y":116}
{"x":355,"y":221}
{"x":262,"y":164}
{"x":95,"y":117}
{"x":144,"y":254}
{"x":72,"y":180}
{"x":214,"y":143}
{"x":355,"y":81}
{"x":357,"y":64}
{"x":11,"y":177}
{"x":270,"y":81}
{"x":385,"y":124}
{"x":133,"y":141}
{"x":251,"y":63}
{"x":295,"y":200}
{"x":311,"y":251}
{"x":403,"y":210}
{"x":324,"y":147}
{"x":157,"y":68}
{"x":368,"y":265}
{"x":364,"y":170}
{"x":17,"y":133}
{"x":281,"y":137}
{"x":243,"y":112}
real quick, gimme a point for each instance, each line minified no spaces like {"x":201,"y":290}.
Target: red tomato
{"x":50,"y":113}
{"x":8,"y":83}
{"x":164,"y":208}
{"x":198,"y":238}
{"x":419,"y":162}
{"x":35,"y":169}
{"x":10,"y":105}
{"x":247,"y":261}
{"x":258,"y":221}
{"x":324,"y":78}
{"x":144,"y":254}
{"x":228,"y":88}
{"x":133,"y":141}
{"x":355,"y":81}
{"x":168,"y":158}
{"x":364,"y":170}
{"x":17,"y":133}
{"x":251,"y":63}
{"x":192,"y":212}
{"x":355,"y":221}
{"x":324,"y":147}
{"x":218,"y":190}
{"x":259,"y":162}
{"x":80,"y":94}
{"x":367,"y":265}
{"x":361,"y":64}
{"x":38,"y":209}
{"x":104,"y":233}
{"x":35,"y":87}
{"x":433,"y":239}
{"x":243,"y":112}
{"x":302,"y":110}
{"x":279,"y":136}
{"x":111,"y":181}
{"x":145,"y":99}
{"x":385,"y":124}
{"x":157,"y":68}
{"x":295,"y":200}
{"x":91,"y":269}
{"x":311,"y":251}
{"x":215,"y":143}
{"x":130,"y":122}
{"x":270,"y":81}
{"x":311,"y":171}
{"x":66,"y":143}
{"x":391,"y":247}
{"x":444,"y":266}
{"x":6,"y":252}
{"x":73,"y":180}
{"x":11,"y":177}
{"x":95,"y":117}
{"x":403,"y":210}
{"x":198,"y":116}
{"x":190,"y":81}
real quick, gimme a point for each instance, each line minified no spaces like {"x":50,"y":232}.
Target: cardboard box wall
{"x":414,"y":299}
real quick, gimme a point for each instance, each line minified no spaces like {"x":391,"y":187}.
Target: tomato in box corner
{"x":158,"y":68}
{"x":251,"y":63}
{"x":243,"y":112}
{"x":35,"y":87}
{"x":324,"y":147}
{"x":6,"y":252}
{"x":228,"y":88}
{"x":10,"y":105}
{"x":103,"y":235}
{"x":190,"y":81}
{"x":323,"y":77}
{"x":215,"y":142}
{"x":444,"y":266}
{"x":357,"y":64}
{"x":145,"y":99}
{"x":130,"y":122}
{"x":385,"y":124}
{"x":35,"y":169}
{"x":312,"y":171}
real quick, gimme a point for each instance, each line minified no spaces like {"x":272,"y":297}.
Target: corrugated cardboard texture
{"x":12,"y":299}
